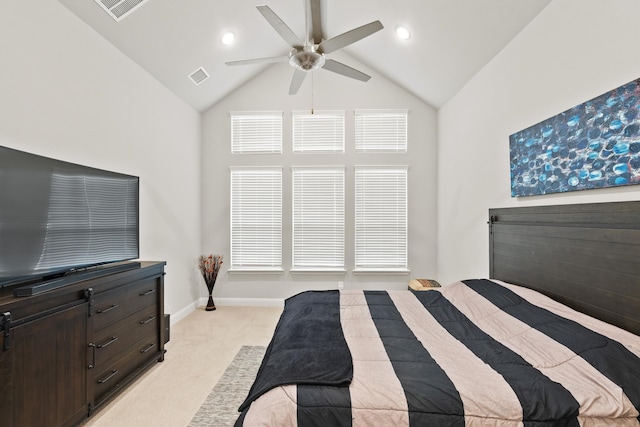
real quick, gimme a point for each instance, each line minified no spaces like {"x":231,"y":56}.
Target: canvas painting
{"x":593,"y":145}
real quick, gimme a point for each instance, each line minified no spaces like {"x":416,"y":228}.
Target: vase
{"x":210,"y":305}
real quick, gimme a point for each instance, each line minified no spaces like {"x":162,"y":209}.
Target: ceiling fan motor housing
{"x":306,"y":60}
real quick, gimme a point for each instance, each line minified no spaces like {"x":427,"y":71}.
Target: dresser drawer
{"x":134,"y":357}
{"x":111,"y":341}
{"x":113,"y":305}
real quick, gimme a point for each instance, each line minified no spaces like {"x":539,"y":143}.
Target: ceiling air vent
{"x":119,"y":9}
{"x":198,"y":76}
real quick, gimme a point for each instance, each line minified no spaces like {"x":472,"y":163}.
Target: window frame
{"x":274,"y":262}
{"x":385,"y":131}
{"x":329,"y":253}
{"x":258,"y":140}
{"x":303,"y":121}
{"x":362,"y":261}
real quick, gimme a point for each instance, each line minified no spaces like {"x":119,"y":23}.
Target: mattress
{"x":473,"y":353}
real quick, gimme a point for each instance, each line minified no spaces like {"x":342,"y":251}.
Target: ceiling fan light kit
{"x":306,"y":60}
{"x":309,"y":55}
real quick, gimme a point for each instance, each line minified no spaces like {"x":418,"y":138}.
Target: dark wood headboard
{"x":586,"y":256}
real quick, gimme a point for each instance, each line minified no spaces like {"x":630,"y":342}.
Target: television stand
{"x":72,"y":277}
{"x":66,"y":352}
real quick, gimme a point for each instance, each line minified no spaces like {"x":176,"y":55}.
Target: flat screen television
{"x":58,"y":217}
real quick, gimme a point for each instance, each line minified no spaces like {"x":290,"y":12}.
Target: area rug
{"x":220,"y":409}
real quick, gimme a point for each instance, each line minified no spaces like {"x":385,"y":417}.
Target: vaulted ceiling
{"x":451,"y":40}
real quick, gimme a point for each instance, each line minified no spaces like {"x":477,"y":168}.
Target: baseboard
{"x":244,"y":302}
{"x":176,"y":317}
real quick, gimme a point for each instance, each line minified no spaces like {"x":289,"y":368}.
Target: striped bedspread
{"x":473,"y":353}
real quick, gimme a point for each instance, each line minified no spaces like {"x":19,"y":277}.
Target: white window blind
{"x":318,"y":218}
{"x":381,"y":218}
{"x":259,"y":132}
{"x":256,"y":219}
{"x":319,"y":132}
{"x":378,"y":130}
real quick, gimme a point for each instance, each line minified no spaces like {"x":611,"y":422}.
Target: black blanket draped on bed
{"x":308,"y":346}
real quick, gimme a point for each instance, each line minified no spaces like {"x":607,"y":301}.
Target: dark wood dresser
{"x":64,"y":352}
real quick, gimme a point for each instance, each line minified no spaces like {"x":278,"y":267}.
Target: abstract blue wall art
{"x":592,"y":145}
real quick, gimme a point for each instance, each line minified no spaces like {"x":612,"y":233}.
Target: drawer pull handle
{"x":149,"y":292}
{"x":145,"y":321}
{"x":111,"y":341}
{"x":147,"y":348}
{"x":92,"y":365}
{"x":5,"y":326}
{"x":108,"y":309}
{"x":111,"y":375}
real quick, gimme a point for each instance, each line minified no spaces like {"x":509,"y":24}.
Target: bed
{"x":551,"y":339}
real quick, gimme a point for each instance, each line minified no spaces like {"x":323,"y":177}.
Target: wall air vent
{"x":198,"y":76}
{"x":120,"y":9}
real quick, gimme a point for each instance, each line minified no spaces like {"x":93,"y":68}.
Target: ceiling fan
{"x":309,"y":54}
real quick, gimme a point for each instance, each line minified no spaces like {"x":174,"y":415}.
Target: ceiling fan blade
{"x":349,"y":37}
{"x":315,"y":29}
{"x":345,"y":70}
{"x":270,"y":60}
{"x":280,"y":27}
{"x":296,"y":81}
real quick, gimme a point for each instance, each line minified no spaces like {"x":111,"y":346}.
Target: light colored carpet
{"x":220,"y":409}
{"x":202,"y":346}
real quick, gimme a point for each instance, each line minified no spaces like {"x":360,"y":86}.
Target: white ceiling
{"x":451,"y":40}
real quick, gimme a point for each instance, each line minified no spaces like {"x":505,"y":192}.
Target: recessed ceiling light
{"x":228,"y":38}
{"x":403,"y":33}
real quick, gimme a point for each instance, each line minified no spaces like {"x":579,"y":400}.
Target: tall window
{"x":256,"y":219}
{"x":318,"y":200}
{"x":318,"y":218}
{"x":322,"y":131}
{"x":256,"y":132}
{"x":381,"y":218}
{"x":381,"y":130}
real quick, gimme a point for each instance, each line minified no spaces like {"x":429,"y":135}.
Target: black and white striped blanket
{"x":473,"y":353}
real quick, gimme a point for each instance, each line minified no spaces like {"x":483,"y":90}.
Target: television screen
{"x":57,"y":217}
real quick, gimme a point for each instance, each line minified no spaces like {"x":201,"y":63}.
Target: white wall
{"x":67,"y":93}
{"x":573,"y":51}
{"x":332,"y":92}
